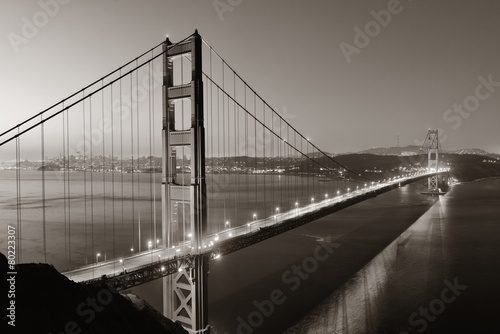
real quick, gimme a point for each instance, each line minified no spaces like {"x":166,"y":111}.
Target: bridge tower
{"x":433,"y":160}
{"x":184,"y":218}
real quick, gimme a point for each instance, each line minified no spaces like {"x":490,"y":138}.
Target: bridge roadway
{"x":155,"y":263}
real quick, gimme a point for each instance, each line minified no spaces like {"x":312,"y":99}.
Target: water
{"x":252,"y":276}
{"x":384,"y":263}
{"x":240,"y":279}
{"x":388,"y":264}
{"x":112,"y":213}
{"x":83,"y":212}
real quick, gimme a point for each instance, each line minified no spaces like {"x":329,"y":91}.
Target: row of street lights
{"x":227,"y":223}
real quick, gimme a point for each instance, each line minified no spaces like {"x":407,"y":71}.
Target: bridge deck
{"x":156,"y":263}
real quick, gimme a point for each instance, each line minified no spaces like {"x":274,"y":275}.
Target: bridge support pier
{"x":184,"y":220}
{"x":184,"y":296}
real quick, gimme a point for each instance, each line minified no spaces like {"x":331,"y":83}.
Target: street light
{"x":123,"y":266}
{"x":150,"y":244}
{"x":254,"y":216}
{"x":131,"y":250}
{"x":97,"y":258}
{"x":227,"y":224}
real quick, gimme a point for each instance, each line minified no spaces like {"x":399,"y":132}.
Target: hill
{"x":464,"y":167}
{"x":414,"y":149}
{"x":48,"y":302}
{"x":404,"y":151}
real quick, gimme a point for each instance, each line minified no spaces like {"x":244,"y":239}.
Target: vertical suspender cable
{"x":207,"y":141}
{"x":281,"y":154}
{"x":182,"y":157}
{"x":296,"y":175}
{"x":236,"y":136}
{"x":121,"y":161}
{"x":113,"y":172}
{"x":68,"y":184}
{"x":132,"y":161}
{"x":212,"y":132}
{"x":273,"y":162}
{"x":247,"y":154}
{"x":219,"y":156}
{"x":154,"y":152}
{"x":43,"y":193}
{"x":138,"y":150}
{"x":103,"y":169}
{"x":64,"y":182}
{"x":85,"y":180}
{"x":91,"y":179}
{"x":224,"y":162}
{"x":223,"y":150}
{"x":18,"y":197}
{"x":301,"y":160}
{"x":289,"y":160}
{"x":255,"y":144}
{"x":151,"y":169}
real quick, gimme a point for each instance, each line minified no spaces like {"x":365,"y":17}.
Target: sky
{"x":349,"y":75}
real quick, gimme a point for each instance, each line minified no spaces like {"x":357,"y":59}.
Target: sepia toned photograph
{"x":250,"y":166}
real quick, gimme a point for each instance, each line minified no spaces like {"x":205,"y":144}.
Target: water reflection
{"x":404,"y":273}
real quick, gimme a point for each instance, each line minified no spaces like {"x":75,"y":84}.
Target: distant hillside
{"x":464,"y":167}
{"x":413,"y":149}
{"x":477,"y":151}
{"x":406,"y":150}
{"x":48,"y":302}
{"x":469,"y":167}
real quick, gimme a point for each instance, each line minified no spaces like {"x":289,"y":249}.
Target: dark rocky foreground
{"x":48,"y":302}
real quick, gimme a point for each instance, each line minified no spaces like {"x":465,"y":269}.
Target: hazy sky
{"x":431,"y":64}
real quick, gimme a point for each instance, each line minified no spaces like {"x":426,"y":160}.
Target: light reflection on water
{"x":454,"y":241}
{"x":360,"y":303}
